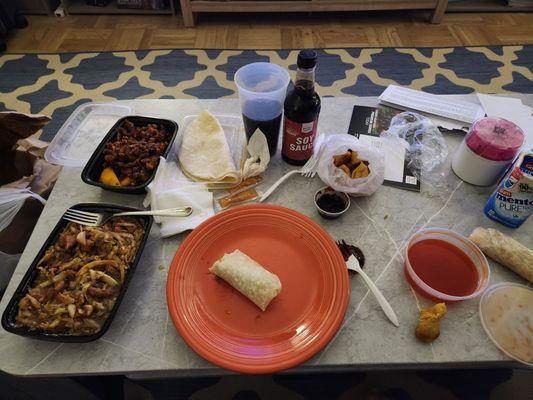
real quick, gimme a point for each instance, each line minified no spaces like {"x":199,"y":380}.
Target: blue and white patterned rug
{"x":54,"y":84}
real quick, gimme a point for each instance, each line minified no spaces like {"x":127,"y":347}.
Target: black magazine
{"x":367,"y":124}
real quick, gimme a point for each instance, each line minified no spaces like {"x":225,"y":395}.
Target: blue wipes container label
{"x":512,"y":202}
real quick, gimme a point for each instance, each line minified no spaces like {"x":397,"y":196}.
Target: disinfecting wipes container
{"x":512,"y":202}
{"x":489,"y":147}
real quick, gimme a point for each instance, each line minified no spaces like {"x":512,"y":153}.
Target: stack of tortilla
{"x":204,"y":153}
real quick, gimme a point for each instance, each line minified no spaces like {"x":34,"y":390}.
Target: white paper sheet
{"x":443,"y":106}
{"x":395,"y":160}
{"x":511,"y":109}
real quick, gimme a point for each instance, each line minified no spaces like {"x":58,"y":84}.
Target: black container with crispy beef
{"x":131,"y":148}
{"x":73,"y":287}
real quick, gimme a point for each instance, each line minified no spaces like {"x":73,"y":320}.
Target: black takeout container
{"x":10,"y":313}
{"x":93,"y":168}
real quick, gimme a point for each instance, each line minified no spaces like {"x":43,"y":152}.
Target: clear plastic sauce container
{"x":443,"y":265}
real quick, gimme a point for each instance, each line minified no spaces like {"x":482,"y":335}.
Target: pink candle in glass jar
{"x":495,"y":139}
{"x":489,"y":147}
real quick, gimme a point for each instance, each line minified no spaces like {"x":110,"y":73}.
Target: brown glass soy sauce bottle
{"x":301,"y":109}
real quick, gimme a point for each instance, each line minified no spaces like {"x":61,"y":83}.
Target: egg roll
{"x":505,"y":250}
{"x":248,"y":277}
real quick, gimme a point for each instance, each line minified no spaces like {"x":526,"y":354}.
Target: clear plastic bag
{"x":426,"y":149}
{"x":11,"y":201}
{"x":337,"y":178}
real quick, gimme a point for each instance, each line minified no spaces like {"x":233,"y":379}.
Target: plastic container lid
{"x":79,"y":136}
{"x":505,"y":310}
{"x":495,"y":139}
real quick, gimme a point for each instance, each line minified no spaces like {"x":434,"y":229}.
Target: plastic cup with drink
{"x":262,"y":88}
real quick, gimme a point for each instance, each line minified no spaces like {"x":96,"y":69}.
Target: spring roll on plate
{"x":248,"y":277}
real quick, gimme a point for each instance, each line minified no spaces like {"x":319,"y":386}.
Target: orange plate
{"x":225,"y":327}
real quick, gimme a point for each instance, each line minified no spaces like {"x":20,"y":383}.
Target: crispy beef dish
{"x":80,"y":277}
{"x":134,"y":154}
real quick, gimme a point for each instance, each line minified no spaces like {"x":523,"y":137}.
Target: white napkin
{"x":170,"y":189}
{"x":259,"y":157}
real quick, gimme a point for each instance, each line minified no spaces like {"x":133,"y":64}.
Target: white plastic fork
{"x":353,"y":264}
{"x":308,"y":170}
{"x":98,"y":219}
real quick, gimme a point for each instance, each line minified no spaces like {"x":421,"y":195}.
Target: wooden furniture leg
{"x":186,"y":12}
{"x":438,"y":12}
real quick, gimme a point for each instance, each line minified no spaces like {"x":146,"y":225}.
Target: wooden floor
{"x":270,"y":31}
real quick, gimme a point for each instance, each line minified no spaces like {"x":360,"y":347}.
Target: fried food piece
{"x":361,"y":171}
{"x":341,"y":159}
{"x":126,"y":182}
{"x":351,"y":165}
{"x":108,"y":177}
{"x":345,"y":169}
{"x":428,"y":328}
{"x":241,"y":197}
{"x":354,"y":158}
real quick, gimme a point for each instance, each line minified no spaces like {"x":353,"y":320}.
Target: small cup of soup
{"x":444,"y":266}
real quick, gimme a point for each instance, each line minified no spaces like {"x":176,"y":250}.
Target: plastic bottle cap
{"x":495,"y":139}
{"x":307,"y":58}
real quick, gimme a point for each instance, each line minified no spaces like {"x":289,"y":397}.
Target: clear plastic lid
{"x":79,"y":136}
{"x":495,"y":139}
{"x":235,"y":137}
{"x":505,"y":310}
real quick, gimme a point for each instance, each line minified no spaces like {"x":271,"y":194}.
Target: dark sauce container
{"x":330,"y":203}
{"x":8,"y":317}
{"x":95,"y":165}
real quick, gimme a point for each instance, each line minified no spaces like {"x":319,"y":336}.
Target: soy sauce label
{"x":298,"y":139}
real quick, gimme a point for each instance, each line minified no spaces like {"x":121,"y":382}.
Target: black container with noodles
{"x":9,"y":322}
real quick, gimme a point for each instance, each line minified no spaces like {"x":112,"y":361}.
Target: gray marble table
{"x":142,"y":340}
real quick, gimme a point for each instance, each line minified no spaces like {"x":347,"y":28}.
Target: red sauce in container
{"x":444,"y":267}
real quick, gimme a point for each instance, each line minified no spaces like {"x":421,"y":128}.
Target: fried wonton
{"x":361,"y":171}
{"x":351,"y":165}
{"x":341,"y":159}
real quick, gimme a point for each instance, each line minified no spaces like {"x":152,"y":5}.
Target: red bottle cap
{"x":495,"y":139}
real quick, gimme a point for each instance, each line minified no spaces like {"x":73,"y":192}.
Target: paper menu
{"x":416,"y":100}
{"x":367,"y":124}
